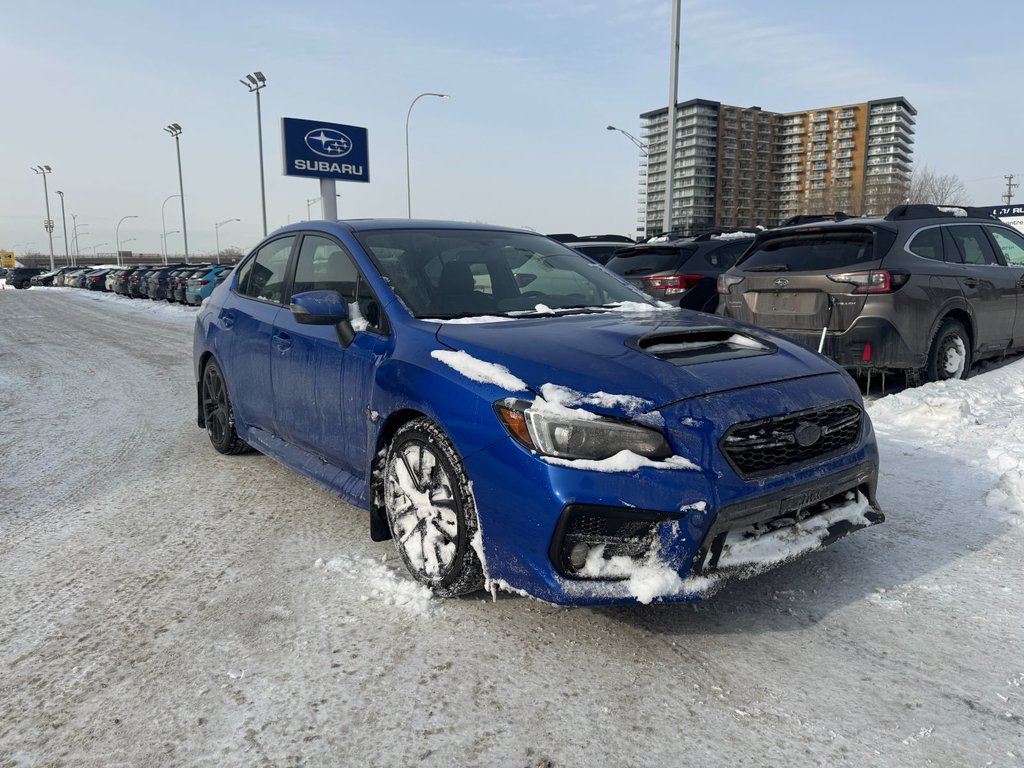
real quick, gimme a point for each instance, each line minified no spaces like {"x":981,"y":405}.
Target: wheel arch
{"x":962,"y":316}
{"x":203,"y":360}
{"x":379,"y":528}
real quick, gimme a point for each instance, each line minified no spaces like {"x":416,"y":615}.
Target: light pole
{"x":163,"y":222}
{"x":163,"y":241}
{"x":43,"y":170}
{"x":64,"y":222}
{"x":640,"y":145}
{"x":175,"y":130}
{"x":75,"y":230}
{"x":117,"y":238}
{"x":309,"y":205}
{"x":255,"y":82}
{"x":408,"y":182}
{"x":216,"y":233}
{"x":94,"y":247}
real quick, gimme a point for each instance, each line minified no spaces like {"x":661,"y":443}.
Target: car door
{"x":247,"y":319}
{"x":989,"y":287}
{"x":322,"y":388}
{"x":1010,"y":245}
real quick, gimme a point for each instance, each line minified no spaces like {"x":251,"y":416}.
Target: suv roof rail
{"x":924,"y":211}
{"x":813,"y":218}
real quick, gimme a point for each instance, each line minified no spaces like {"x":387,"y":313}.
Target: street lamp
{"x":216,"y":233}
{"x":75,"y":230}
{"x":94,"y":247}
{"x":309,"y":205}
{"x":64,"y":221}
{"x":175,"y":130}
{"x":256,"y":82}
{"x":117,"y":237}
{"x":640,"y":145}
{"x":163,"y":241}
{"x":163,"y":222}
{"x":43,"y":170}
{"x":408,"y":182}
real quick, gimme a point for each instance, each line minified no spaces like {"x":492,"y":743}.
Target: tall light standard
{"x":256,"y":82}
{"x":117,"y":237}
{"x":64,"y":222}
{"x":163,"y":222}
{"x":76,"y":229}
{"x":163,"y":241}
{"x":640,"y":145}
{"x":43,"y":170}
{"x":216,"y":233}
{"x":94,"y":247}
{"x":309,"y":205}
{"x":408,"y":182}
{"x":175,"y":130}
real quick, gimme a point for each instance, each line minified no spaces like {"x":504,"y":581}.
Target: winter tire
{"x":217,"y":413}
{"x":950,"y":354}
{"x":431,"y":510}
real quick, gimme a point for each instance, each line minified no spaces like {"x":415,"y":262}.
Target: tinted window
{"x":323,"y":266}
{"x":928,"y":244}
{"x":1010,"y":243}
{"x":973,"y":244}
{"x":645,"y":260}
{"x":727,"y":256}
{"x":264,"y":279}
{"x":599,"y":253}
{"x":811,"y":252}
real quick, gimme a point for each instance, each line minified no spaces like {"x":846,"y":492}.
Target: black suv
{"x":684,"y":271}
{"x":928,"y":290}
{"x":21,"y":277}
{"x":598,"y":247}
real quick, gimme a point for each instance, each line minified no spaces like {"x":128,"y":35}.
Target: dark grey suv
{"x":926,"y":289}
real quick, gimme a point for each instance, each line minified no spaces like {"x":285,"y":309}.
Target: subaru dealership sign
{"x":1012,"y":214}
{"x":325,"y":150}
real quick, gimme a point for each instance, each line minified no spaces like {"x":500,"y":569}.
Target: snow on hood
{"x":588,"y":353}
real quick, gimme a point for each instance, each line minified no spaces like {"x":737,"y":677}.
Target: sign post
{"x":329,"y":152}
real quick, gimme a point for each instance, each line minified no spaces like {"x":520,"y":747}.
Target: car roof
{"x":369,"y":225}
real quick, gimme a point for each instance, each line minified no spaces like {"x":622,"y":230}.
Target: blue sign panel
{"x":1005,"y":211}
{"x":325,"y":150}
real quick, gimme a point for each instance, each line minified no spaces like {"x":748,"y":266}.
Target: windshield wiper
{"x":768,"y":268}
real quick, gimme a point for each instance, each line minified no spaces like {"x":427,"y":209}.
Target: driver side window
{"x":263,"y":277}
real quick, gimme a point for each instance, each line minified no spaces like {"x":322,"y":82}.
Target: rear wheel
{"x":431,"y":509}
{"x":217,"y":413}
{"x":950,"y":353}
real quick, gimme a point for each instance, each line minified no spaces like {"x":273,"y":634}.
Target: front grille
{"x":781,"y":442}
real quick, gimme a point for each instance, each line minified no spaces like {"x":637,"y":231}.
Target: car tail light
{"x":202,"y":282}
{"x":673,"y":283}
{"x":873,"y":281}
{"x":866,"y":354}
{"x":725,"y":282}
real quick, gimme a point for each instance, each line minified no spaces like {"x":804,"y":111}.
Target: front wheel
{"x":950,"y":354}
{"x":217,"y":413}
{"x":431,"y":510}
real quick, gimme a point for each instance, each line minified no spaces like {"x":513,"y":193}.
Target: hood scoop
{"x":701,"y":345}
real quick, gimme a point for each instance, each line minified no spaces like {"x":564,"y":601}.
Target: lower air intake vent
{"x":782,"y":442}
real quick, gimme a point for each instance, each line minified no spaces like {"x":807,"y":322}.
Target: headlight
{"x":569,"y":436}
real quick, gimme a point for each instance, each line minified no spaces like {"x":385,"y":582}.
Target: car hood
{"x":618,"y":353}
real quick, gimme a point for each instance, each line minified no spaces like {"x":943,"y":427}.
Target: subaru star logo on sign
{"x":325,"y":150}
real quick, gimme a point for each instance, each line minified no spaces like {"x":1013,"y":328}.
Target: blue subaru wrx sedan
{"x":515,"y":416}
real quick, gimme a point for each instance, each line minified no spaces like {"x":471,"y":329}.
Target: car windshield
{"x":446,"y":273}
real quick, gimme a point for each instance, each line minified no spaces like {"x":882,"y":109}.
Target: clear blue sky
{"x":88,"y":87}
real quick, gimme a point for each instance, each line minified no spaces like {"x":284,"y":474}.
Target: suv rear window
{"x":646,"y":260}
{"x":811,"y":252}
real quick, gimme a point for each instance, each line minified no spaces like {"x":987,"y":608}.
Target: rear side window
{"x":644,"y":261}
{"x":264,"y":279}
{"x":727,"y":256}
{"x":928,"y":244}
{"x":1010,"y":243}
{"x":811,"y":252}
{"x":972,"y":243}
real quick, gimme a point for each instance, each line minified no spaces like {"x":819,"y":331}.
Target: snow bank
{"x":158,"y":310}
{"x":479,"y":370}
{"x":382,"y":584}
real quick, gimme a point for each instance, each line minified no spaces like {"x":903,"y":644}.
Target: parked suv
{"x":926,"y":289}
{"x":21,"y":277}
{"x":684,"y":271}
{"x":598,"y":247}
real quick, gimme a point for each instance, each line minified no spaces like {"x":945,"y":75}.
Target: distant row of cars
{"x":182,"y":283}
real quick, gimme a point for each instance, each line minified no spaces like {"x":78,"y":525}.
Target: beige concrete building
{"x":742,"y":166}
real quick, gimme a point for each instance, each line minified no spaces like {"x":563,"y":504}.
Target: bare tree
{"x":927,"y":186}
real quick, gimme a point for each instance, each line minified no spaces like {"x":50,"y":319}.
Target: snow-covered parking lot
{"x":162,"y":604}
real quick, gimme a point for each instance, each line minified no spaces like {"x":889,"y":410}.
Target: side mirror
{"x":324,"y":308}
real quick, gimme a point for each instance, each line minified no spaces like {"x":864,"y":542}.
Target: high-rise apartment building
{"x":737,"y":166}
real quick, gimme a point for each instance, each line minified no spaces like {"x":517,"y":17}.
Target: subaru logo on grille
{"x":781,"y":282}
{"x":328,"y":142}
{"x":806,"y":434}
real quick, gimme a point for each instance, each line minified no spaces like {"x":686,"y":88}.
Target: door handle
{"x":282,"y":341}
{"x":227,"y":319}
{"x":971,"y":282}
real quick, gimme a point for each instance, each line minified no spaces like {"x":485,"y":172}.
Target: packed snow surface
{"x":165,"y":605}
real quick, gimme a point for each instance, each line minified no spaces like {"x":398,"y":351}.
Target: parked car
{"x":158,"y":280}
{"x":120,"y":281}
{"x":927,"y":290}
{"x":172,"y":282}
{"x":584,"y":447}
{"x":73,"y":277}
{"x":96,"y":279}
{"x":181,"y":284}
{"x":598,"y":247}
{"x":21,"y":277}
{"x":47,"y":278}
{"x":137,"y":285}
{"x":684,"y":271}
{"x":201,"y":283}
